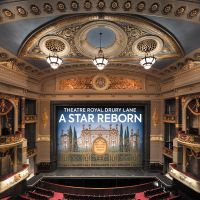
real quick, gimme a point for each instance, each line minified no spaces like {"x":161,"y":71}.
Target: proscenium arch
{"x":184,"y":10}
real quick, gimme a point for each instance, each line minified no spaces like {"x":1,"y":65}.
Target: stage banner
{"x":100,"y":136}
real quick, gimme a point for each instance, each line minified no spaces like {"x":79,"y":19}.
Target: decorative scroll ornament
{"x":5,"y":106}
{"x":194,"y":106}
{"x":44,"y":119}
{"x":155,"y":117}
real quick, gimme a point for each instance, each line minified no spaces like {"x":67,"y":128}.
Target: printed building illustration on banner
{"x":117,"y":140}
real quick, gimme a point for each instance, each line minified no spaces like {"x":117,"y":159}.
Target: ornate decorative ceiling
{"x":70,"y":26}
{"x":18,"y":10}
{"x":133,"y":36}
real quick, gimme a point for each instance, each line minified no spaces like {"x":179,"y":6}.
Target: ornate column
{"x":184,"y":159}
{"x":178,"y":112}
{"x":23,"y":115}
{"x":15,"y":159}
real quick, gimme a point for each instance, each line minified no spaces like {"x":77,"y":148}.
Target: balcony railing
{"x":170,"y":118}
{"x":185,"y":178}
{"x":190,"y":141}
{"x":31,"y":152}
{"x":11,"y":139}
{"x":30,"y":118}
{"x":8,"y":182}
{"x":168,"y":152}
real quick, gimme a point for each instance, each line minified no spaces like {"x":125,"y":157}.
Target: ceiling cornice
{"x":20,"y":10}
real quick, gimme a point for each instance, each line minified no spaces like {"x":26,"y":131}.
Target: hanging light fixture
{"x":54,"y":60}
{"x":100,"y":61}
{"x":147,"y":61}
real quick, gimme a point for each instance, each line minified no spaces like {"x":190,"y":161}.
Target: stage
{"x":62,"y":173}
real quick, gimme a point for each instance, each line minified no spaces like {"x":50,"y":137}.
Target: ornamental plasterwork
{"x":71,"y":33}
{"x":13,"y":63}
{"x":101,"y":82}
{"x":19,"y":10}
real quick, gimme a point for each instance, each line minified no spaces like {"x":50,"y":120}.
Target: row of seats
{"x":160,"y":196}
{"x":43,"y":191}
{"x":38,"y":196}
{"x":102,"y":197}
{"x":153,"y":191}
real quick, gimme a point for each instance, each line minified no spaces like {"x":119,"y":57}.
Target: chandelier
{"x":147,"y":61}
{"x":54,"y":60}
{"x":100,"y":61}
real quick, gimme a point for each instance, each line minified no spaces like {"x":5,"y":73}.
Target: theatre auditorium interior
{"x":100,"y":99}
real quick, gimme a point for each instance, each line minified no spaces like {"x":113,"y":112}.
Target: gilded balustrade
{"x":169,"y":118}
{"x":11,"y":140}
{"x":191,"y":141}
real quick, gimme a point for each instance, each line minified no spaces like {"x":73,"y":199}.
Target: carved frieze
{"x":101,"y":82}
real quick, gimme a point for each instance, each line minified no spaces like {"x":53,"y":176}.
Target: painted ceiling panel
{"x":187,"y":33}
{"x":13,"y":34}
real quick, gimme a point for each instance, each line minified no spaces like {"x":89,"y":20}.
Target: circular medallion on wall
{"x":152,"y":44}
{"x":114,"y":39}
{"x":53,"y":43}
{"x":100,"y":82}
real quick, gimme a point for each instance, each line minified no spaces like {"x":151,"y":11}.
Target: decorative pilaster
{"x":184,"y":159}
{"x":23,"y":115}
{"x":177,"y":118}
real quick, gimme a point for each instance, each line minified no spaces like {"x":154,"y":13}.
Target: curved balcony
{"x":11,"y":140}
{"x":13,"y":179}
{"x":191,"y":141}
{"x":185,"y":178}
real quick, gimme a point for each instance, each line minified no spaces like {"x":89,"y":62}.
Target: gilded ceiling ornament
{"x":167,"y":9}
{"x":88,"y":5}
{"x":197,"y":56}
{"x":193,"y":13}
{"x":127,"y":5}
{"x":61,"y":6}
{"x":54,"y":43}
{"x":180,"y":11}
{"x":140,"y":6}
{"x":74,"y":5}
{"x":8,"y":13}
{"x":100,"y":82}
{"x":35,"y":10}
{"x":48,"y":8}
{"x":114,"y":5}
{"x":101,"y":4}
{"x":149,"y":43}
{"x":154,"y":8}
{"x":21,"y":11}
{"x":3,"y":56}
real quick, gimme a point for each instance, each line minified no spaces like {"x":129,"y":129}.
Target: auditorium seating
{"x":45,"y":190}
{"x":153,"y":191}
{"x":100,"y":197}
{"x":159,"y":196}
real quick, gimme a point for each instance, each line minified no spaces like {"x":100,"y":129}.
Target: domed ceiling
{"x":31,"y":30}
{"x":125,"y":39}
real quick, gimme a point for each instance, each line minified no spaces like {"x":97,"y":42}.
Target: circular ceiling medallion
{"x":100,"y":82}
{"x":52,"y":43}
{"x":150,"y":43}
{"x":114,"y":39}
{"x":108,"y":37}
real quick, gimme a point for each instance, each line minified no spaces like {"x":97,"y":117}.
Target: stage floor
{"x":98,"y":173}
